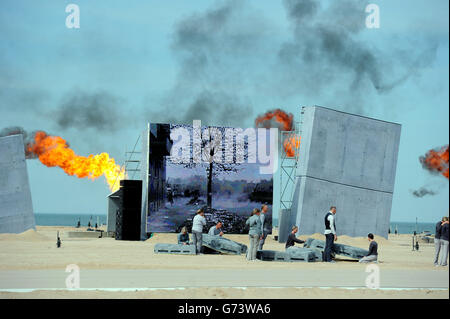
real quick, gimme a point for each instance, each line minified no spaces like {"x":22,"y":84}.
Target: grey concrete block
{"x":350,"y":251}
{"x":84,"y":234}
{"x":304,"y":253}
{"x":223,"y":245}
{"x":348,"y":161}
{"x":272,"y":255}
{"x":174,"y":249}
{"x":284,"y":225}
{"x":113,"y":207}
{"x":338,"y":249}
{"x":314,"y":243}
{"x":16,"y":209}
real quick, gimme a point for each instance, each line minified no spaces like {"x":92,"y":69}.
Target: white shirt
{"x":198,"y":222}
{"x":332,"y":230}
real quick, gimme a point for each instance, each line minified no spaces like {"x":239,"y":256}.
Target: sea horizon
{"x":71,"y":219}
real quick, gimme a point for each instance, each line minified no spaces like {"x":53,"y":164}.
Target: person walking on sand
{"x":264,"y":226}
{"x":254,"y":233}
{"x":197,"y":230}
{"x":437,"y":241}
{"x":444,"y":242}
{"x":330,"y":234}
{"x":292,"y":239}
{"x":372,"y":256}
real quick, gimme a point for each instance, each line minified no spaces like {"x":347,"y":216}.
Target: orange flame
{"x":284,"y":122}
{"x":54,"y":151}
{"x":436,"y":161}
{"x":291,"y":145}
{"x":280,"y":116}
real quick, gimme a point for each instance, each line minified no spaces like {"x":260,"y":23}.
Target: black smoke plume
{"x":227,"y":55}
{"x":26,"y":136}
{"x":421,"y":192}
{"x":327,"y":51}
{"x":83,"y":110}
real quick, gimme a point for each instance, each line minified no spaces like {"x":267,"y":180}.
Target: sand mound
{"x":28,"y":235}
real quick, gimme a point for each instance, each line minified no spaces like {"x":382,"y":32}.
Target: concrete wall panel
{"x":348,"y":161}
{"x":349,"y":149}
{"x":16,"y":209}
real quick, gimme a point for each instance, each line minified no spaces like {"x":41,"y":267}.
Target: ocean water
{"x":402,"y":227}
{"x":44,"y":219}
{"x":411,"y":227}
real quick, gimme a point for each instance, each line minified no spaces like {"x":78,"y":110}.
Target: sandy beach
{"x":119,"y":263}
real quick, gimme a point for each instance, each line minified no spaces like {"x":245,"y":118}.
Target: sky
{"x":225,"y":63}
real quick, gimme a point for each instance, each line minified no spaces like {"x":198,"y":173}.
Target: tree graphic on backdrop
{"x":215,"y":153}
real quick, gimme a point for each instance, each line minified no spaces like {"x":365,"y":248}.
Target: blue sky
{"x":129,"y":51}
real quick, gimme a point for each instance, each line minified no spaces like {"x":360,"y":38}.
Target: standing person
{"x":264,"y":226}
{"x":437,"y":241}
{"x":330,"y":234}
{"x":254,"y":233}
{"x":216,"y":230}
{"x":197,"y":230}
{"x":372,"y":256}
{"x":292,"y":239}
{"x":444,"y":242}
{"x":170,"y":196}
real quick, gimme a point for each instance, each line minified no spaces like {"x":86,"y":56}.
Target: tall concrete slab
{"x":113,"y":207}
{"x":16,"y":209}
{"x":145,"y":159}
{"x":348,"y":161}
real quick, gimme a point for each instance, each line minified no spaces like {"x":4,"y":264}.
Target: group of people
{"x":198,"y":223}
{"x":441,"y":242}
{"x":258,"y":230}
{"x":259,"y":227}
{"x":331,"y":237}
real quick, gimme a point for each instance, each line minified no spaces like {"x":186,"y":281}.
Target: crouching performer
{"x":292,"y":239}
{"x":372,"y":256}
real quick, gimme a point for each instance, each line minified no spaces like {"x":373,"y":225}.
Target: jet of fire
{"x":284,"y":121}
{"x":54,"y":151}
{"x":436,"y":161}
{"x":291,"y":145}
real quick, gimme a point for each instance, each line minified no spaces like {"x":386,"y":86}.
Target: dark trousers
{"x":329,"y":242}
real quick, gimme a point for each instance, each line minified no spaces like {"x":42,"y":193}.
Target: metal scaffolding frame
{"x":132,"y":160}
{"x":288,"y":165}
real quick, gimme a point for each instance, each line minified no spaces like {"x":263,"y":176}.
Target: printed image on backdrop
{"x":214,"y":168}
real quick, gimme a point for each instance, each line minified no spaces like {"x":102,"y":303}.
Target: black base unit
{"x":128,"y":218}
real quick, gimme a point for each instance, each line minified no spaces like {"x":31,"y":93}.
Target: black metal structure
{"x":128,"y":218}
